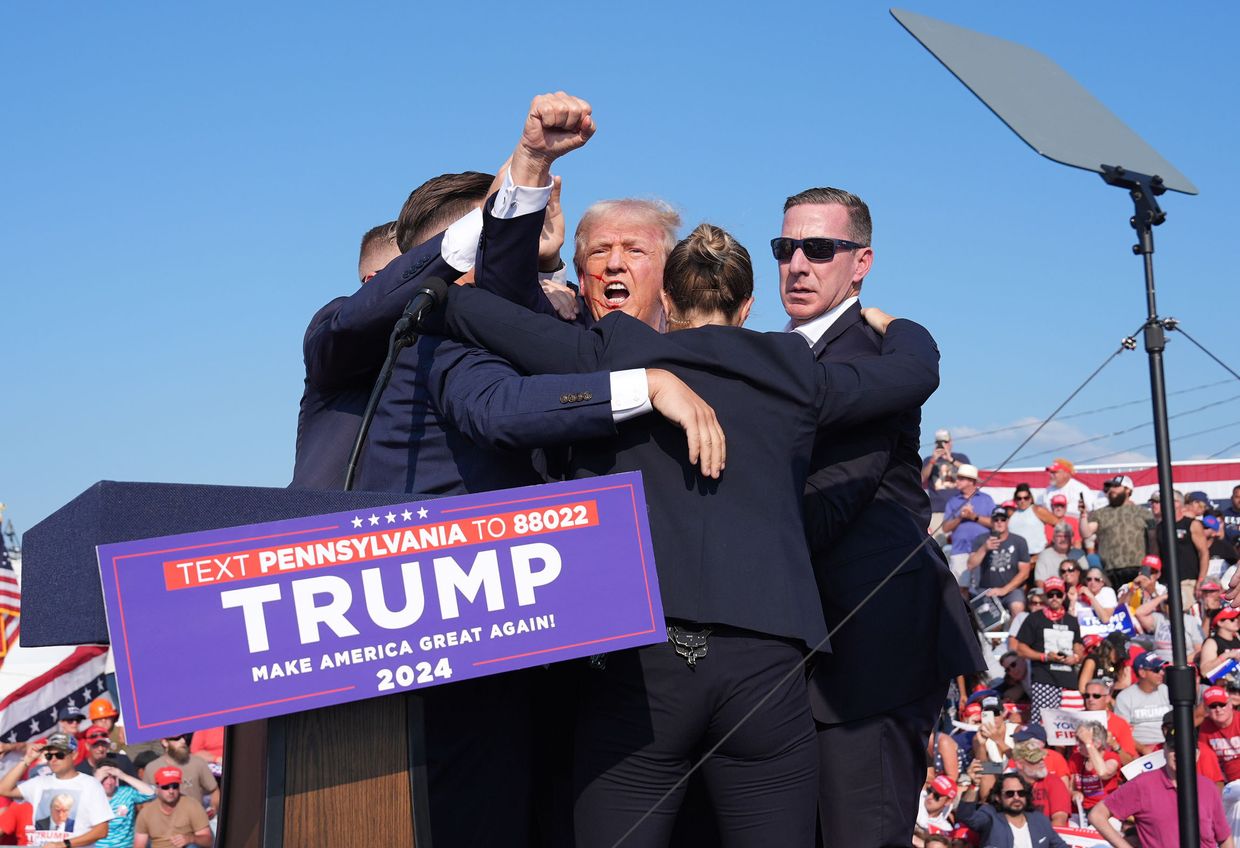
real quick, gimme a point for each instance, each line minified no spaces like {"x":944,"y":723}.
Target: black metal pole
{"x":1181,"y":680}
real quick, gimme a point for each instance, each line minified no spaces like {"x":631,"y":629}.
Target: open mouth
{"x":615,"y":295}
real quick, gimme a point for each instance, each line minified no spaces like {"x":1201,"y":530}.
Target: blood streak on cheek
{"x":604,"y":303}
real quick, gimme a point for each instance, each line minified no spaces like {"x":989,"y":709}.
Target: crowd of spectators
{"x":1081,"y":623}
{"x":84,"y":785}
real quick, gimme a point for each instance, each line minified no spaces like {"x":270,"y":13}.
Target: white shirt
{"x":1073,"y":490}
{"x":1026,"y":524}
{"x":815,"y":328}
{"x":1020,"y":835}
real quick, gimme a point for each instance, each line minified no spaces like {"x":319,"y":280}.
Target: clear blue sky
{"x":183,"y":185}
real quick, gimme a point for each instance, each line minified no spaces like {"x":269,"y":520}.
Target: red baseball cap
{"x":972,"y":710}
{"x":95,"y":734}
{"x":1215,"y":695}
{"x":1061,"y":464}
{"x":1059,"y":499}
{"x":1227,"y":612}
{"x":944,"y":785}
{"x":1210,"y":586}
{"x":166,"y":775}
{"x":1053,"y":583}
{"x":1091,"y":641}
{"x":1153,"y":561}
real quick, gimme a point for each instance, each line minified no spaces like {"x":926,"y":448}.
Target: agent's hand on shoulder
{"x":681,"y":405}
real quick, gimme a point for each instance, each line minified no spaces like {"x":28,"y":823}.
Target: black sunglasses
{"x":816,"y":249}
{"x":1013,"y":793}
{"x":1023,"y":498}
{"x":170,"y":786}
{"x":1093,"y":697}
{"x":54,"y":755}
{"x":1054,"y":594}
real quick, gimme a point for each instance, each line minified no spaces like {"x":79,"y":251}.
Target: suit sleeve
{"x":534,"y":344}
{"x":845,"y":485}
{"x":488,"y":401}
{"x":507,"y":263}
{"x":351,"y":342}
{"x":903,"y":377}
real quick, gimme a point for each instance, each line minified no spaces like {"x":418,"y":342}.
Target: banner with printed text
{"x":230,"y":625}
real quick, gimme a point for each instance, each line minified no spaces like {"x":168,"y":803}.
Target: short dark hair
{"x":860,"y":226}
{"x":708,"y":271}
{"x":109,"y":761}
{"x":438,"y":202}
{"x":375,"y":236}
{"x":144,"y":759}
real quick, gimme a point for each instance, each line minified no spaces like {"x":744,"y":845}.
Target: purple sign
{"x":226,"y":626}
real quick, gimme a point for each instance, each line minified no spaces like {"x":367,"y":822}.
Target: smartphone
{"x":993,"y":768}
{"x":994,"y":534}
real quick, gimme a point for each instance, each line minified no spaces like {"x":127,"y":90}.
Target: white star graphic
{"x":391,"y":517}
{"x":357,"y":522}
{"x":374,"y":519}
{"x":422,"y":512}
{"x":406,"y":515}
{"x":34,"y":725}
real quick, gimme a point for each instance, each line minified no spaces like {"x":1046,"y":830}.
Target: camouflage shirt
{"x":1121,"y":534}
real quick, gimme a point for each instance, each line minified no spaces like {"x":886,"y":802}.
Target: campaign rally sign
{"x":1091,"y":624}
{"x":1061,"y":725}
{"x":230,"y":625}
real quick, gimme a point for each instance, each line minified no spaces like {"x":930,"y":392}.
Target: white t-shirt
{"x":1073,"y":490}
{"x":1026,"y":524}
{"x":938,"y":822}
{"x":1020,"y":836}
{"x":83,"y":795}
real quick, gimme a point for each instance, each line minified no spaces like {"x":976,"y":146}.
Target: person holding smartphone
{"x":1051,"y":640}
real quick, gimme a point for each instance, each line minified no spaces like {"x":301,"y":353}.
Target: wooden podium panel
{"x":345,"y":779}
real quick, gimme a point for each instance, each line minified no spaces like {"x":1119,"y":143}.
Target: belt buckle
{"x":690,"y":644}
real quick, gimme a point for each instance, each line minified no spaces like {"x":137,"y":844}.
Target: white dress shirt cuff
{"x":460,"y":241}
{"x":559,"y":277}
{"x":514,"y":200}
{"x":630,"y":394}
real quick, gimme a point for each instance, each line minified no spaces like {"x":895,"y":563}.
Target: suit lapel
{"x":847,"y":318}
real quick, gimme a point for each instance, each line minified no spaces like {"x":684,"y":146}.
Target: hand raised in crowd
{"x":33,"y":752}
{"x":876,"y":318}
{"x":555,"y":124}
{"x":681,"y":405}
{"x":992,"y":543}
{"x":551,"y":239}
{"x":1233,"y":588}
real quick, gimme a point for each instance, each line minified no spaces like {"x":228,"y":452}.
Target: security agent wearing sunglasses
{"x":866,"y":512}
{"x":1010,"y":818}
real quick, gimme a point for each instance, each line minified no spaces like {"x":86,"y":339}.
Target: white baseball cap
{"x":967,"y":470}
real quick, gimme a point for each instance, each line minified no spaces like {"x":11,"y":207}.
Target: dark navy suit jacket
{"x":730,"y":551}
{"x":865,"y":512}
{"x":344,"y":347}
{"x":456,"y":419}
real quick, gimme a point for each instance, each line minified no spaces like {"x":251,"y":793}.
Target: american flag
{"x":10,"y":605}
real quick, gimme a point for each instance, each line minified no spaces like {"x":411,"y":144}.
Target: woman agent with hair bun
{"x":738,"y":590}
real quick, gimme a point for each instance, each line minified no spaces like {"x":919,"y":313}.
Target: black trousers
{"x":478,"y":749}
{"x":647,"y":718}
{"x":870,"y":774}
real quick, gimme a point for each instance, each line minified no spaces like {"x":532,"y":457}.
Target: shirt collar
{"x":815,"y":328}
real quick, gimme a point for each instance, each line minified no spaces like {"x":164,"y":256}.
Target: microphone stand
{"x":404,"y":334}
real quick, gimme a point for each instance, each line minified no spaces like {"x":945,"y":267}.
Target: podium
{"x":296,"y":780}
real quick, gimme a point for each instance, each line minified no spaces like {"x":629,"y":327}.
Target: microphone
{"x":432,"y":293}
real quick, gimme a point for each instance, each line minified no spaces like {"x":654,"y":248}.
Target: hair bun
{"x":708,"y":245}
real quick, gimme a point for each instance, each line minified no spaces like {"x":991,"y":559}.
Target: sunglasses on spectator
{"x":1064,"y":571}
{"x":54,"y":755}
{"x":936,"y":796}
{"x":170,"y":786}
{"x":1094,"y":579}
{"x":1094,"y":696}
{"x":1054,"y":594}
{"x":1013,"y":793}
{"x":1024,"y":498}
{"x":1010,"y":666}
{"x":1218,"y":706}
{"x":816,"y":249}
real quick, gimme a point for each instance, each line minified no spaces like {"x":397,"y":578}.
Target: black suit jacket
{"x":730,"y":551}
{"x":866,"y":512}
